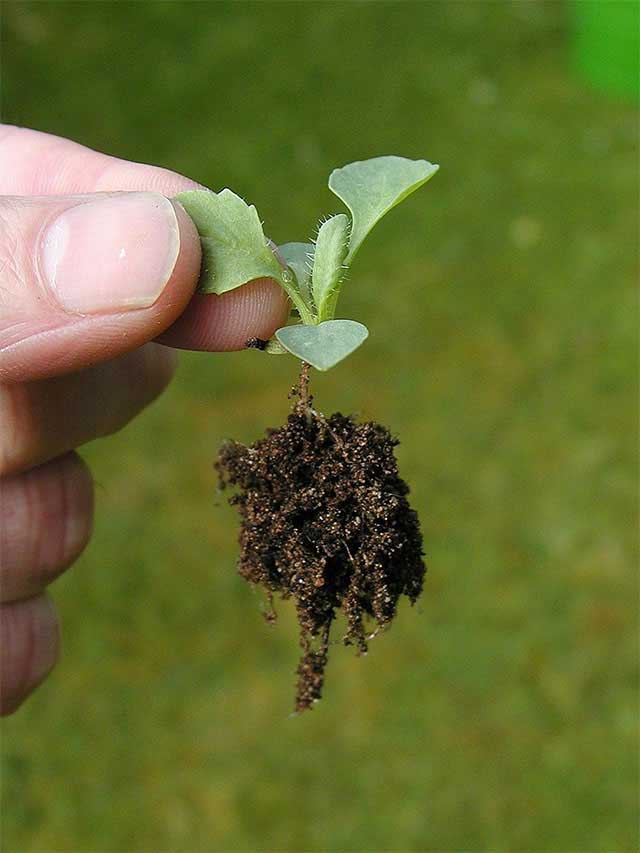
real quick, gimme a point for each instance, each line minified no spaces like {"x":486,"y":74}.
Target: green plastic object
{"x":606,"y":45}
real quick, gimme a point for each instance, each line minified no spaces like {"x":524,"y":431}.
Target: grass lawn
{"x":500,"y":714}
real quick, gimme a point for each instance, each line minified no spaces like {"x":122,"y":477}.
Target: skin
{"x":58,"y":366}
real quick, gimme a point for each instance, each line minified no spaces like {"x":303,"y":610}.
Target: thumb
{"x":86,"y":278}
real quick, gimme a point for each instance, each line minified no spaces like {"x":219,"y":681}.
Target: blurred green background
{"x":500,"y":713}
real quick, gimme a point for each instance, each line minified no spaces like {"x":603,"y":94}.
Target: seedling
{"x":236,"y":251}
{"x":325,"y":516}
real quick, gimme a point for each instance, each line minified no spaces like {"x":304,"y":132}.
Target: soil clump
{"x":325,"y":519}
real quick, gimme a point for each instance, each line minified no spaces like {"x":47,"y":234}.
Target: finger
{"x":227,"y":322}
{"x":46,"y":517}
{"x":34,"y":164}
{"x":87,"y":278}
{"x":29,"y":645}
{"x":41,"y":164}
{"x":45,"y":419}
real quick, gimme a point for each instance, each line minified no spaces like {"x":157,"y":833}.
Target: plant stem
{"x":303,"y":385}
{"x":287,"y":281}
{"x":301,"y":391}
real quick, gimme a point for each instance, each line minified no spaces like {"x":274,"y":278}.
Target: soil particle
{"x":325,"y":519}
{"x":256,"y":343}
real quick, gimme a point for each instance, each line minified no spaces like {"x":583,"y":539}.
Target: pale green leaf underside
{"x":324,"y":345}
{"x":299,"y":256}
{"x":234,"y":247}
{"x":370,"y":188}
{"x":328,"y":263}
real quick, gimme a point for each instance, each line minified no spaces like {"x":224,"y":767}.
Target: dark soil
{"x":325,"y":519}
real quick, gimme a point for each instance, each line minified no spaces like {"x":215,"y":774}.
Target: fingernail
{"x":112,"y":254}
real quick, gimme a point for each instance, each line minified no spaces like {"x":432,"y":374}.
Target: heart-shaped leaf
{"x":370,"y":188}
{"x":324,"y":345}
{"x":234,"y":248}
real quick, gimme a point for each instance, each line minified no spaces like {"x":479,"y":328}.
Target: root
{"x":325,"y":519}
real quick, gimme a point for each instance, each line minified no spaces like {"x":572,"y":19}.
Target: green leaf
{"x":299,"y":256}
{"x":324,"y":345}
{"x":234,"y":247}
{"x":370,"y":188}
{"x":274,"y":347}
{"x":328,"y":263}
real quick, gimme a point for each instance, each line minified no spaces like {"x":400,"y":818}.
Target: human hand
{"x":87,"y":284}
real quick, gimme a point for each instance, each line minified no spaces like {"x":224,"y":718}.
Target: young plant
{"x":236,"y":251}
{"x":325,"y":515}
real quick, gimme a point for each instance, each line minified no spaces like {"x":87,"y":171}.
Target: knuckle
{"x":26,"y":304}
{"x":8,"y":244}
{"x":16,"y":264}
